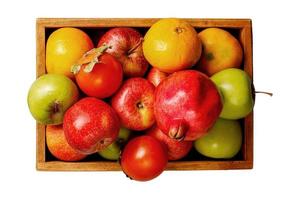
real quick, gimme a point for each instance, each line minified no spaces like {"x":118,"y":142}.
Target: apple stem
{"x":139,"y":105}
{"x":262,"y":92}
{"x":135,"y":46}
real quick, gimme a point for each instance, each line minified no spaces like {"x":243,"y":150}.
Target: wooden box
{"x":241,"y":28}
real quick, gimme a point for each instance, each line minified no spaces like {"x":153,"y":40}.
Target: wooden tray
{"x":241,"y":28}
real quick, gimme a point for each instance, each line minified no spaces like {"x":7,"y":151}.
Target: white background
{"x":276,"y":68}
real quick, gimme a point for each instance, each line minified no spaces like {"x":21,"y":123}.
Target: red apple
{"x":187,"y":104}
{"x":90,"y":125}
{"x":134,"y":104}
{"x":58,"y":145}
{"x":126,"y":45}
{"x":155,"y":76}
{"x":176,"y":149}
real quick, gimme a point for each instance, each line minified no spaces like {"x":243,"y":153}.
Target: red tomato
{"x":103,"y":80}
{"x":144,"y":158}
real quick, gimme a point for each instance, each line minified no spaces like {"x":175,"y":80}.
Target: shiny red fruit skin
{"x":125,"y":103}
{"x":187,"y":104}
{"x":144,"y":158}
{"x":90,"y":125}
{"x":58,"y":145}
{"x":176,"y":149}
{"x":155,"y":76}
{"x":126,"y":45}
{"x":104,"y":80}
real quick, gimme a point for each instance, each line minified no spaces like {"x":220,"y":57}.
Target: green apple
{"x":223,"y":140}
{"x":50,"y":96}
{"x":112,"y":152}
{"x":235,"y":87}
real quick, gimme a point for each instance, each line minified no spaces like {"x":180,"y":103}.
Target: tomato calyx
{"x":89,"y":59}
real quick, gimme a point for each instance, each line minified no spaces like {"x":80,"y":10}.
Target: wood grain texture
{"x":114,"y":166}
{"x":246,"y":41}
{"x":40,"y":49}
{"x":245,"y":37}
{"x":136,"y":22}
{"x":40,"y":70}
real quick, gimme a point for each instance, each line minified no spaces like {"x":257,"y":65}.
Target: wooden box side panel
{"x":246,"y":40}
{"x":135,"y":22}
{"x":114,"y":166}
{"x":40,"y":70}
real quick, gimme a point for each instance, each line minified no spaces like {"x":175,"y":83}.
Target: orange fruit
{"x":172,"y":45}
{"x":64,"y":47}
{"x":221,"y":50}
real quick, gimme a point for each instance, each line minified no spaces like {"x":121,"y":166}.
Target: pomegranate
{"x":176,"y":149}
{"x":90,"y":125}
{"x":187,"y":103}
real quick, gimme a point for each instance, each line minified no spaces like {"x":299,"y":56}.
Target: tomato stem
{"x":89,"y":59}
{"x":98,"y":52}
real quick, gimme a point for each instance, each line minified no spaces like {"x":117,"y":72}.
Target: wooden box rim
{"x":245,"y":26}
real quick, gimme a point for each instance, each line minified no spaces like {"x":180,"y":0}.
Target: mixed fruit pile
{"x":143,"y":99}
